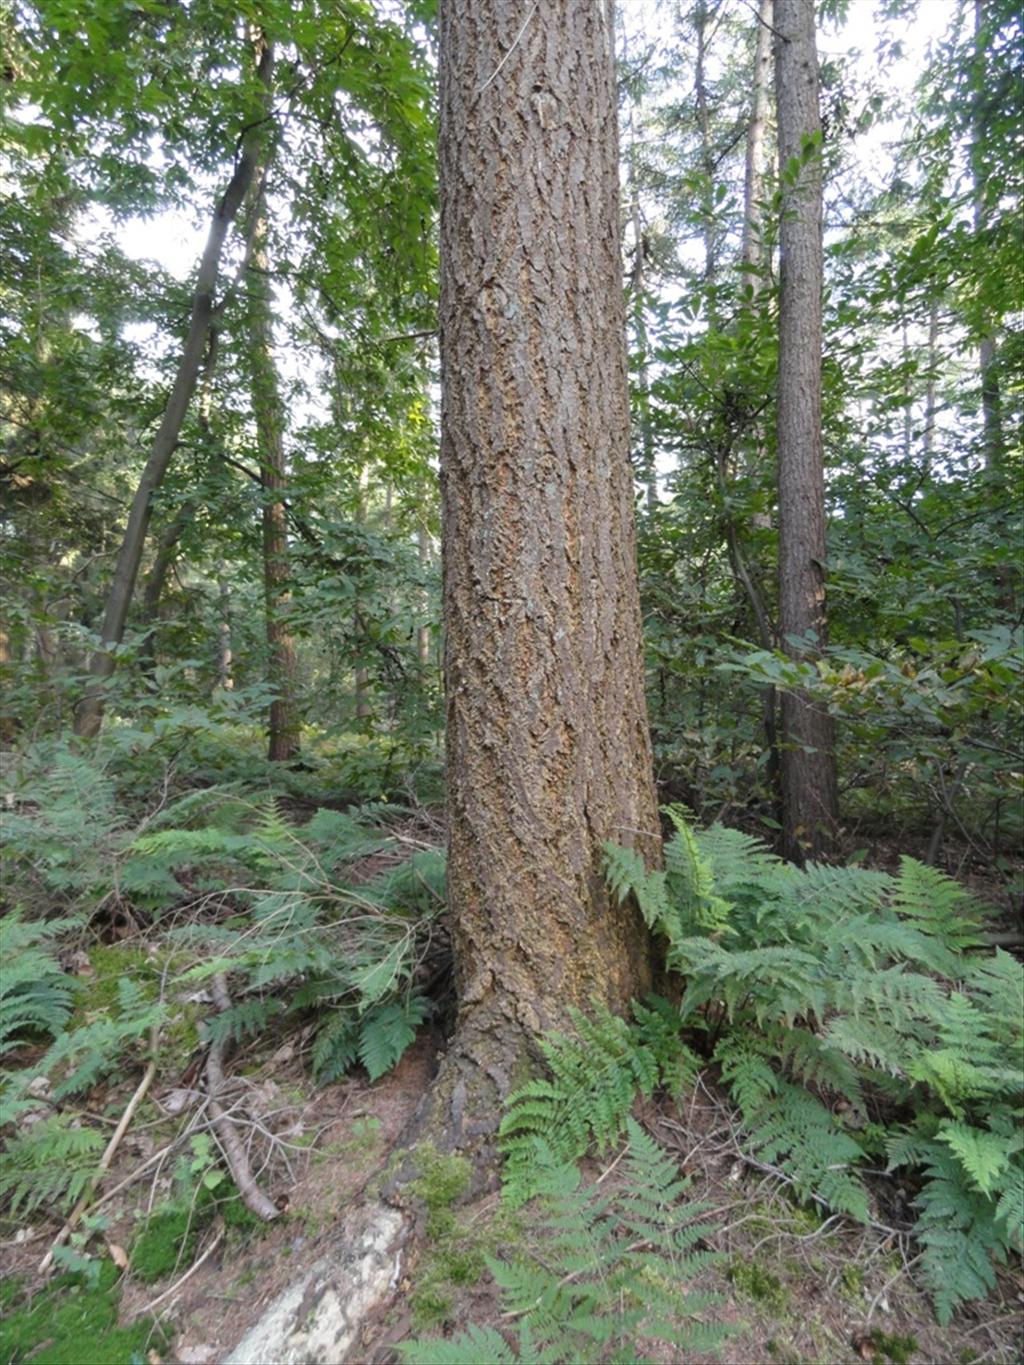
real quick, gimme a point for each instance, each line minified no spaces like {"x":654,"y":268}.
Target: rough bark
{"x":808,"y":756}
{"x":89,"y":716}
{"x":268,"y":410}
{"x":548,"y":747}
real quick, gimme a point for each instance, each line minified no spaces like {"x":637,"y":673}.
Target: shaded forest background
{"x":221,"y":653}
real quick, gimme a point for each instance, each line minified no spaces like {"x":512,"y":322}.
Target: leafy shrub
{"x":831,"y":995}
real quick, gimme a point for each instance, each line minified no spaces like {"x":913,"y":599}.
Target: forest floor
{"x":803,"y":1289}
{"x":800,"y":1287}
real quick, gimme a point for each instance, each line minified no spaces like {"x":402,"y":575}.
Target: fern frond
{"x":594,"y":1079}
{"x":386,"y":1031}
{"x":983,"y":1155}
{"x":35,"y":995}
{"x":48,"y":1166}
{"x":937,"y":905}
{"x":248,"y":1018}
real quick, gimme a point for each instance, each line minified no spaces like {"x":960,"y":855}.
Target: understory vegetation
{"x":721,"y":687}
{"x":870,"y":1042}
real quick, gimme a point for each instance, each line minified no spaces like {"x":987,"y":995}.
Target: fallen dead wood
{"x":230,"y":1143}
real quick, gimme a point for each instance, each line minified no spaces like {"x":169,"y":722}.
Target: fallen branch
{"x":104,"y":1163}
{"x":230,"y":1143}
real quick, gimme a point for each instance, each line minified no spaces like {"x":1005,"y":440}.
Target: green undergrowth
{"x":601,"y":1272}
{"x":72,"y":1322}
{"x":167,"y":1241}
{"x":857,"y":1020}
{"x":459,"y":1242}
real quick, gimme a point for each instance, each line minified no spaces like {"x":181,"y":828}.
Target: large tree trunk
{"x":89,"y":716}
{"x":808,"y":755}
{"x":268,"y":409}
{"x":548,"y":747}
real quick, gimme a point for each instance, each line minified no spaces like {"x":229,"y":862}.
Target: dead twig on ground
{"x":230,"y":1143}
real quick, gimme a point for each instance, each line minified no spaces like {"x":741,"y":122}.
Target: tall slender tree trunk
{"x":89,"y":716}
{"x":753,"y":263}
{"x":701,"y":16}
{"x":931,"y":405}
{"x":752,"y":250}
{"x":808,"y":756}
{"x":638,"y":303}
{"x":991,"y":397}
{"x":423,"y":629}
{"x":548,"y":747}
{"x":225,"y":654}
{"x":156,"y":579}
{"x":268,"y":409}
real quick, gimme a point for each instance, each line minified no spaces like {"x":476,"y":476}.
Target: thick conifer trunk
{"x":548,"y":748}
{"x":808,"y":754}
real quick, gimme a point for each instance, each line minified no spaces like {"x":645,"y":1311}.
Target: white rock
{"x":317,"y":1320}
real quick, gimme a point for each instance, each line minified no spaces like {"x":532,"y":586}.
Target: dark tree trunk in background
{"x":268,"y":409}
{"x":991,"y":397}
{"x":808,"y":753}
{"x":548,"y":747}
{"x":89,"y":717}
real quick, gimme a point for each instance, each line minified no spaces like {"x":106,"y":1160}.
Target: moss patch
{"x":441,"y":1183}
{"x":70,"y":1323}
{"x":897,"y":1349}
{"x":758,"y":1284}
{"x":168,"y":1240}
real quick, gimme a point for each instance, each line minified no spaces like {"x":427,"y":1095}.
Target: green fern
{"x":48,"y":1166}
{"x":608,"y":1270}
{"x":824,"y":984}
{"x":387,"y":1031}
{"x":35,"y":995}
{"x":81,"y":1056}
{"x":594,"y":1079}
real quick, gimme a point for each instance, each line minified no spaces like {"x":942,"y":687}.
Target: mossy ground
{"x":459,"y":1242}
{"x":168,"y":1240}
{"x":73,"y":1323}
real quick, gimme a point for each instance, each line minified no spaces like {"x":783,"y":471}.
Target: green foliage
{"x":608,"y":1269}
{"x":307,"y":940}
{"x":828,"y":989}
{"x":593,"y":1081}
{"x":82,"y":1055}
{"x":35,"y":994}
{"x":48,"y":1165}
{"x":72,"y":1321}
